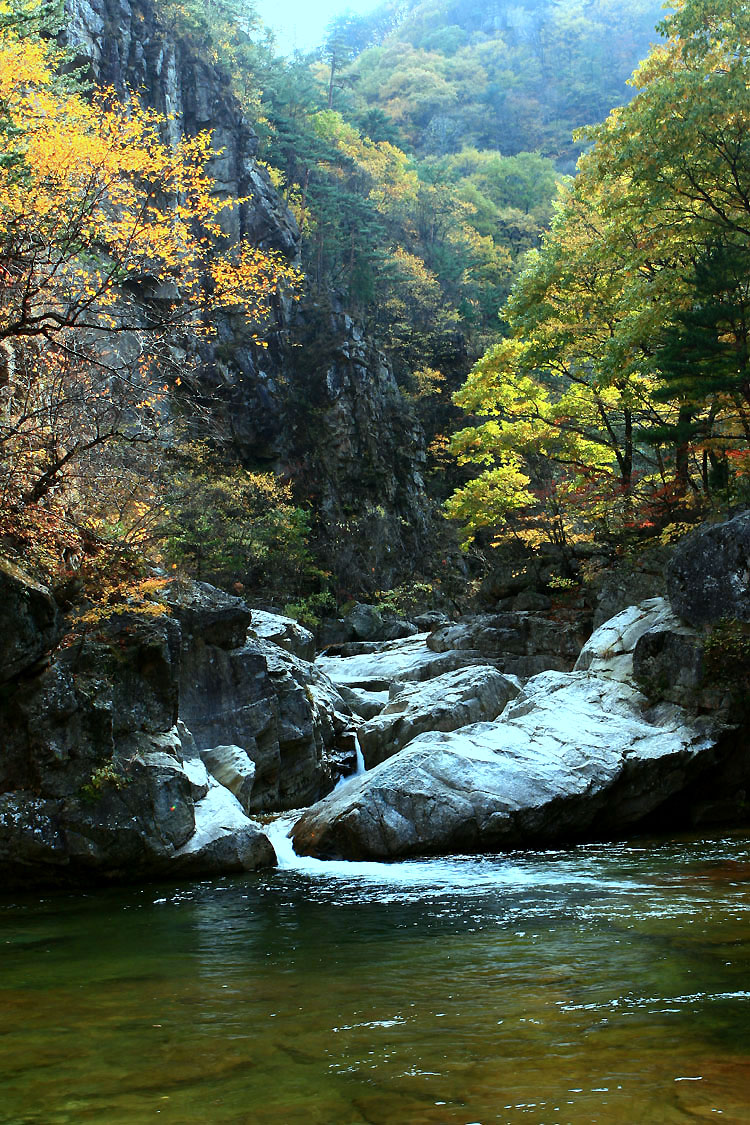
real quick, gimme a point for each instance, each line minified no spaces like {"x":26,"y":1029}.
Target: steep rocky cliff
{"x":319,"y":404}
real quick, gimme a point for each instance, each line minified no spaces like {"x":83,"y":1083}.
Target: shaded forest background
{"x":427,"y":153}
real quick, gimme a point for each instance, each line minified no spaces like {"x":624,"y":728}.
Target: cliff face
{"x":320,"y":403}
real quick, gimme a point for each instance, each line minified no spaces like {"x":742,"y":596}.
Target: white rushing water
{"x":359,"y":768}
{"x":459,"y":875}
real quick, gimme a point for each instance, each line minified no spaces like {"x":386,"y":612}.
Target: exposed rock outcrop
{"x":375,"y":665}
{"x":284,"y":632}
{"x":320,"y":403}
{"x":101,"y":777}
{"x":30,"y":624}
{"x":248,"y":692}
{"x":95,"y":777}
{"x":521,"y":643}
{"x":609,"y":650}
{"x":450,"y":701}
{"x":575,"y":755}
{"x":708,"y":576}
{"x":126,"y":46}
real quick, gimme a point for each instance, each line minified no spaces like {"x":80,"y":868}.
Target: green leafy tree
{"x":627,"y":376}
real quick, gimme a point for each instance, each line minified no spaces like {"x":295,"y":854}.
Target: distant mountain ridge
{"x":511,"y":76}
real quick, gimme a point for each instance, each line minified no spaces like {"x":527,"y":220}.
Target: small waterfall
{"x":288,"y":860}
{"x":361,"y":767}
{"x":427,"y":878}
{"x":278,"y":833}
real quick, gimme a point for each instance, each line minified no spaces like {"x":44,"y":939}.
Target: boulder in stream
{"x":575,"y":755}
{"x":455,"y":699}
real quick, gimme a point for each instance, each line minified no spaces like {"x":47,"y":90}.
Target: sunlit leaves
{"x":112,"y":259}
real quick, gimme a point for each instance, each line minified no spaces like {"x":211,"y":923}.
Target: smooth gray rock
{"x":224,"y":840}
{"x":609,"y":650}
{"x":455,"y":699}
{"x":374,"y":623}
{"x":575,"y":755}
{"x":366,"y":704}
{"x":286,"y":715}
{"x":30,"y":623}
{"x":431,"y":619}
{"x":374,"y":667}
{"x":284,"y":632}
{"x":232,"y":767}
{"x":521,"y":643}
{"x":708,"y":576}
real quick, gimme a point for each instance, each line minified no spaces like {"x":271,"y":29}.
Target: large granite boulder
{"x":373,"y":666}
{"x":649,"y":645}
{"x":574,"y":756}
{"x":224,"y":840}
{"x":279,"y":710}
{"x":450,"y":701}
{"x":284,"y":632}
{"x":609,"y":650}
{"x":374,"y":623}
{"x":30,"y":623}
{"x":521,"y":643}
{"x":234,"y":769}
{"x":637,"y":729}
{"x":217,"y":618}
{"x":708,"y":576}
{"x":97,"y":778}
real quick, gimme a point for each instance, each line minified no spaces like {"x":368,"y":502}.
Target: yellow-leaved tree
{"x":112,"y":261}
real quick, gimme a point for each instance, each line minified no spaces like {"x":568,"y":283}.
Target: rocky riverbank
{"x":648,"y":730}
{"x":147,"y":744}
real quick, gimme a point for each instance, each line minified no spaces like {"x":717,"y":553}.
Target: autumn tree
{"x":112,"y":263}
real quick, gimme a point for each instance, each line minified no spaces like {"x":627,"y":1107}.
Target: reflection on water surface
{"x":605,"y":984}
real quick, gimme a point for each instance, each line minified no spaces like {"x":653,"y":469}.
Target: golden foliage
{"x":99,"y":200}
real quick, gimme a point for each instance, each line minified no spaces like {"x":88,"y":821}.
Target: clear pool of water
{"x":605,"y":983}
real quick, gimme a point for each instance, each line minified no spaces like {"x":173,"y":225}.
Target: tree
{"x":112,"y":261}
{"x":629,"y":328}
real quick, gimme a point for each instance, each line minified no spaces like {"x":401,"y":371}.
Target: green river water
{"x":606,"y":983}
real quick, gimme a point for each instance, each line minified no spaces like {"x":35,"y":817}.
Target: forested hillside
{"x":619,"y":402}
{"x":230,"y":339}
{"x":453,"y":74}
